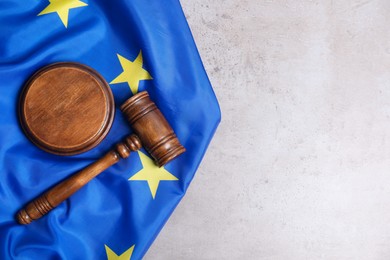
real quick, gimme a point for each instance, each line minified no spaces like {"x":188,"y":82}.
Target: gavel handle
{"x":53,"y":197}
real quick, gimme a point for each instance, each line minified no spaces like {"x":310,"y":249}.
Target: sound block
{"x":66,"y":108}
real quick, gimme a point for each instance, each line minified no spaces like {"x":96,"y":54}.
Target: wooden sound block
{"x":66,"y":108}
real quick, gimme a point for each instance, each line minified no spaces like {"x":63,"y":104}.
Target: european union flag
{"x":135,"y":45}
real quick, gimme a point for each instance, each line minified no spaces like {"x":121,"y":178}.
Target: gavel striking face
{"x":152,"y":131}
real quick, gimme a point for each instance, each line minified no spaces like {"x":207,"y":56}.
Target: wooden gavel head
{"x":149,"y":124}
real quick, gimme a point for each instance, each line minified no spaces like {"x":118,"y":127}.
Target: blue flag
{"x":135,"y":45}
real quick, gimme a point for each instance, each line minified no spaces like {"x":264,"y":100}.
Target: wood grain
{"x":66,"y":108}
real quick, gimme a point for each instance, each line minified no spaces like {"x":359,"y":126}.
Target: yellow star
{"x":152,"y":174}
{"x":125,"y":256}
{"x":62,"y":7}
{"x":132,"y":73}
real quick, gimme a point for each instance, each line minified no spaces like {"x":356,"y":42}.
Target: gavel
{"x":151,"y":130}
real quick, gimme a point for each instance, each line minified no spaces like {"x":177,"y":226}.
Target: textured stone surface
{"x":300,"y":165}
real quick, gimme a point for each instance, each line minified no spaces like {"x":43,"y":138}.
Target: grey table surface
{"x":300,"y":165}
